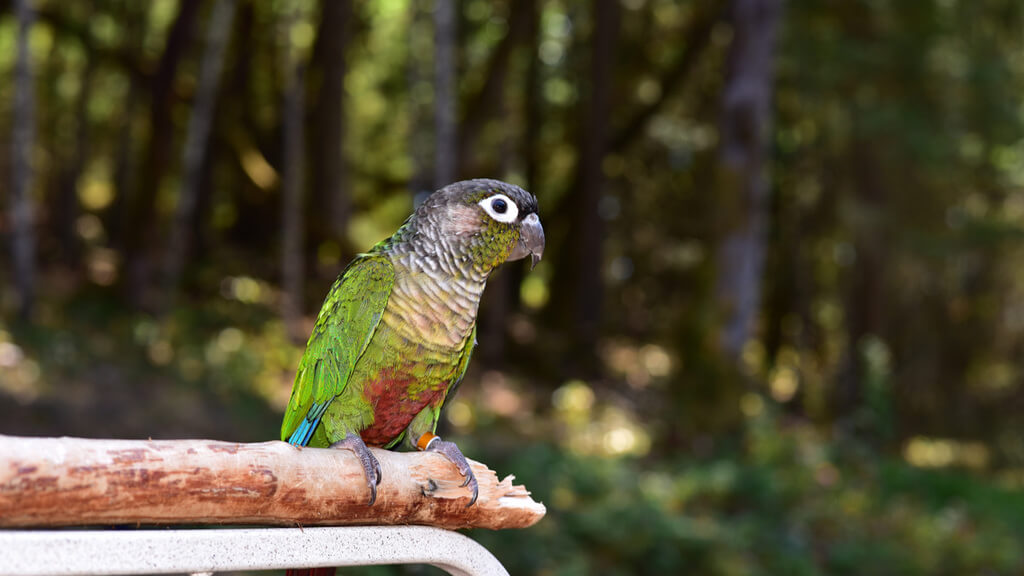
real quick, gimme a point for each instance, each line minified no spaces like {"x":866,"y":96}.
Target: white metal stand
{"x":89,"y":552}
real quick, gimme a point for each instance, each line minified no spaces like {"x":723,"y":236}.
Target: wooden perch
{"x":77,"y":482}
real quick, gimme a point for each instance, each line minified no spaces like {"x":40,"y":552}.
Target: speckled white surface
{"x":62,"y":552}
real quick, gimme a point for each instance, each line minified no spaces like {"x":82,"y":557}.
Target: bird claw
{"x":371,"y":466}
{"x":452,"y":452}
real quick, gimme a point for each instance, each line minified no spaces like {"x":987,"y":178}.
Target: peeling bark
{"x":78,"y":482}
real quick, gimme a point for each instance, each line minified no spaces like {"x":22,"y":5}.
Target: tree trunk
{"x":65,"y":207}
{"x":742,"y":183}
{"x":532,"y":112}
{"x":218,"y":33}
{"x":496,"y":303}
{"x":23,"y":238}
{"x":142,"y":205}
{"x":864,"y":312}
{"x":489,"y":101}
{"x":293,"y":182}
{"x":420,"y":144}
{"x":78,"y":482}
{"x":530,"y":142}
{"x":446,"y":150}
{"x":115,"y":217}
{"x":330,"y":194}
{"x":698,"y":38}
{"x":502,"y":298}
{"x":581,"y":269}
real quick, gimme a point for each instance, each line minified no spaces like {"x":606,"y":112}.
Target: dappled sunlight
{"x":583,"y":423}
{"x":993,"y":377}
{"x":498,"y":396}
{"x":255,"y":166}
{"x":574,"y":400}
{"x":783,"y":383}
{"x":103,"y":265}
{"x":534,"y":290}
{"x":489,"y":398}
{"x":19,"y":374}
{"x":763,"y":514}
{"x":208,"y":370}
{"x":945,"y":452}
{"x":96,"y":194}
{"x":90,"y":228}
{"x":639,"y":365}
{"x":248,"y":290}
{"x":460,"y":415}
{"x":751,"y":404}
{"x":592,"y":427}
{"x":368,"y":228}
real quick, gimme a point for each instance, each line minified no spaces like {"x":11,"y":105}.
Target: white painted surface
{"x":85,"y":552}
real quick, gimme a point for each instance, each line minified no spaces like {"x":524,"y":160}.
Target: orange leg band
{"x":424,"y":442}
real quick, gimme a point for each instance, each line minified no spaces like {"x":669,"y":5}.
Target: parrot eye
{"x":501,"y":208}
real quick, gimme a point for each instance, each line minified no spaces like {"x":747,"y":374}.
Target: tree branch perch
{"x":77,"y":482}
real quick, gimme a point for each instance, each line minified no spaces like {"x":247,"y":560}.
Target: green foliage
{"x":792,"y":504}
{"x":216,"y":370}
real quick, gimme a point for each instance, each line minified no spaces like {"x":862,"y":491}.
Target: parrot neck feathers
{"x":442,"y":257}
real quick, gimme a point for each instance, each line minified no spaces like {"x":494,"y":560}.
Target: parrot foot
{"x":371,"y":467}
{"x":452,"y":452}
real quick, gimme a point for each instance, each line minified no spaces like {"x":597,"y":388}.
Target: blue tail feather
{"x":304,"y":432}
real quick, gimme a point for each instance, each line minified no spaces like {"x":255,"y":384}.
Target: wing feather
{"x":346,"y":323}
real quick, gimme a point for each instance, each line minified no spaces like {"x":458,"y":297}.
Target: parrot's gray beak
{"x":531,"y":240}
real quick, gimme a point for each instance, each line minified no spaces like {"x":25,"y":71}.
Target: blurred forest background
{"x":779,"y":326}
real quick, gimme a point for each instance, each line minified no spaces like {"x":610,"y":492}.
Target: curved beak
{"x":531,"y":240}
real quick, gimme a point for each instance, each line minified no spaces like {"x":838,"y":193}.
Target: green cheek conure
{"x":394,"y":336}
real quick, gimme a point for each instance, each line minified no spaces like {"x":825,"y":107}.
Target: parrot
{"x":394,"y":336}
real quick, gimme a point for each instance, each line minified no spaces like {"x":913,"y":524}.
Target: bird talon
{"x":369,"y":462}
{"x":452,"y":452}
{"x":474,"y":486}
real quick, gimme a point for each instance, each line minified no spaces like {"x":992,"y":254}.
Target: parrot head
{"x":489,"y":221}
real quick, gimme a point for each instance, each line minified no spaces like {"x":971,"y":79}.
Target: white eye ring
{"x":492,"y":204}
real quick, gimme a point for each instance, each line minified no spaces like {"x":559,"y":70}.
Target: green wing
{"x":467,"y":352}
{"x":343,"y":329}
